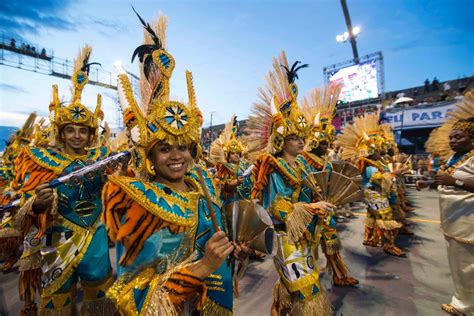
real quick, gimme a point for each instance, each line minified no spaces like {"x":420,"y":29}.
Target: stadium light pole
{"x":350,"y":31}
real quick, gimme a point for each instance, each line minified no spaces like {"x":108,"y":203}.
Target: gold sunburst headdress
{"x":362,"y":138}
{"x":22,"y":137}
{"x":41,"y":136}
{"x":461,"y":117}
{"x":388,"y":137}
{"x":76,"y":112}
{"x":276,"y":114}
{"x":157,"y":118}
{"x":226,"y":143}
{"x":319,"y":108}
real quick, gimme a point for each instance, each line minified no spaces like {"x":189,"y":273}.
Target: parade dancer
{"x":166,"y":220}
{"x":10,"y":233}
{"x":73,"y":239}
{"x":455,"y":181}
{"x":362,"y":143}
{"x":319,"y":108}
{"x":278,"y":128}
{"x":226,"y":152}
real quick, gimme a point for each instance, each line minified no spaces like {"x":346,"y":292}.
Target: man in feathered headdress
{"x":277,"y":131}
{"x":74,"y":241}
{"x":319,"y":108}
{"x":10,"y":232}
{"x":227,"y":151}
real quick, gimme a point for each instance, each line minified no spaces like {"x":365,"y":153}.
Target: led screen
{"x":359,"y":82}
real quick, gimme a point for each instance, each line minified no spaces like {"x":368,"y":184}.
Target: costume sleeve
{"x":29,"y":175}
{"x":278,"y":201}
{"x":143,"y":238}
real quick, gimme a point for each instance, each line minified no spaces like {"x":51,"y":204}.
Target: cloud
{"x":12,"y":119}
{"x":12,"y":88}
{"x":31,"y":17}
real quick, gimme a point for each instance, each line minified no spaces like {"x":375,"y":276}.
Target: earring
{"x":150,"y":168}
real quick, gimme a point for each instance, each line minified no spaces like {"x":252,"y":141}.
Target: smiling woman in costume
{"x":166,"y":220}
{"x":277,"y":129}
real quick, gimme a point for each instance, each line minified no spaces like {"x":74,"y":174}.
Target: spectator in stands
{"x":43,"y":53}
{"x":421,"y":165}
{"x":435,"y":84}
{"x":12,"y":43}
{"x":427,"y":86}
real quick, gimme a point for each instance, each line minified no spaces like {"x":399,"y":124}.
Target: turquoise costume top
{"x":179,"y":226}
{"x":75,"y":241}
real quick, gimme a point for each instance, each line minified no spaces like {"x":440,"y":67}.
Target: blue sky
{"x":228,"y":45}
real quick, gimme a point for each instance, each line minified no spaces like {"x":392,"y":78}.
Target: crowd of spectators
{"x":28,"y":49}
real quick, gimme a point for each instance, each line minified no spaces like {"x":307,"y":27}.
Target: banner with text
{"x":421,"y":117}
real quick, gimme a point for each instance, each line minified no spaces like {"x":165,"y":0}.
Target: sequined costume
{"x":279,"y":187}
{"x":319,"y":108}
{"x":360,"y":142}
{"x":159,"y":231}
{"x":73,"y":239}
{"x":228,"y":172}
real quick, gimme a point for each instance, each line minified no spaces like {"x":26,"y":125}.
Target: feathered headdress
{"x":388,"y":136}
{"x":276,"y":114}
{"x":76,"y":112}
{"x":319,"y":108}
{"x":41,"y":134}
{"x":19,"y":139}
{"x":362,"y":138}
{"x":226,"y":143}
{"x":462,"y":118}
{"x":157,"y":118}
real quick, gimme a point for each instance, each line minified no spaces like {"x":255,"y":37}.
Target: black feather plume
{"x":87,"y":67}
{"x":146,"y":49}
{"x":292,"y":73}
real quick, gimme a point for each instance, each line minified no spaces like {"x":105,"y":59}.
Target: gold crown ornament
{"x":388,"y":137}
{"x":277,"y":114}
{"x":76,"y":112}
{"x":319,"y":108}
{"x":362,"y":138}
{"x":226,"y":143}
{"x":157,"y":118}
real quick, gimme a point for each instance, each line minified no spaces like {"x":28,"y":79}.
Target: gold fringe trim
{"x":317,"y":305}
{"x":30,"y":262}
{"x":331,"y":247}
{"x":281,"y":296}
{"x":8,"y":232}
{"x":65,"y":311}
{"x":369,"y":222}
{"x":213,"y":309}
{"x":158,"y":303}
{"x":388,"y":224}
{"x":297,"y":222}
{"x":102,"y":307}
{"x":27,"y":208}
{"x":336,"y":266}
{"x":29,"y":283}
{"x":10,"y":246}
